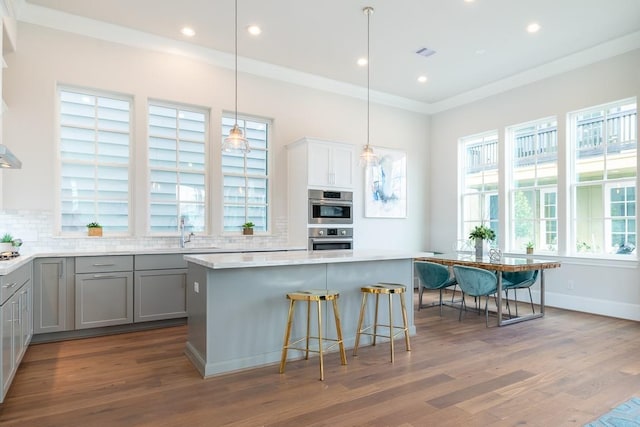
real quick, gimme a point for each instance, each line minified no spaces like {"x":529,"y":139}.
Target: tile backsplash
{"x":35,"y":228}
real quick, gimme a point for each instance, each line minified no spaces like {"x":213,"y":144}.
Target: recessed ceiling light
{"x":362,"y":62}
{"x":480,"y":51}
{"x":188,"y":31}
{"x":422,"y":79}
{"x":534,"y":27}
{"x":254,"y":30}
{"x":469,"y":1}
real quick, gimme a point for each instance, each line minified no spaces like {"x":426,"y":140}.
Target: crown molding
{"x":571,"y":62}
{"x":50,"y":18}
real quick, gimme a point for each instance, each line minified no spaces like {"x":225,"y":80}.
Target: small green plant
{"x":529,"y":245}
{"x":93,"y":225}
{"x":482,"y":232}
{"x":7,"y":238}
{"x":248,"y":225}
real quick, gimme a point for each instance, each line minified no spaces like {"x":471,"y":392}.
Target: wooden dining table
{"x":503,"y":263}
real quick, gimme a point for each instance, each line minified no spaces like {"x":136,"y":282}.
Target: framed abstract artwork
{"x":386,"y":185}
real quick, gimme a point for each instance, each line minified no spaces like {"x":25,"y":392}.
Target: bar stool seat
{"x":313,"y":295}
{"x":378,"y":289}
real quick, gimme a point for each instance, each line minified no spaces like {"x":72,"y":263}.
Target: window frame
{"x":465,"y":225}
{"x":81,"y":228}
{"x":268,"y":226}
{"x":206,"y":204}
{"x":575,"y":184}
{"x":537,"y":156}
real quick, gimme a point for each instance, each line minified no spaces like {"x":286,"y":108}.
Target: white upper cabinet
{"x":329,"y":164}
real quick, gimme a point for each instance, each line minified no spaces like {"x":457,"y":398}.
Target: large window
{"x":533,"y":166}
{"x":94,"y":160}
{"x":246,"y":176}
{"x":479,"y":182}
{"x":177,"y":187}
{"x":604,"y":147}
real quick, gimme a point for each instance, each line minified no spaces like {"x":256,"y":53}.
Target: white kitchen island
{"x":237,"y":306}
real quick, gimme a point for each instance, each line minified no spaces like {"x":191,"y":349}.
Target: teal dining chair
{"x":476,"y":282}
{"x":433,"y":277}
{"x":518,"y":280}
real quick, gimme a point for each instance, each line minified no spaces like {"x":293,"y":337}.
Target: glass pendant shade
{"x":235,"y":141}
{"x":368,"y":158}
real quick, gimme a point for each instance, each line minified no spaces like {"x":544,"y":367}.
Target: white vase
{"x":6,"y":247}
{"x":482,"y":247}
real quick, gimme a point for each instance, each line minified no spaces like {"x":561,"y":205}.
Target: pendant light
{"x":236,"y":140}
{"x":368,"y":158}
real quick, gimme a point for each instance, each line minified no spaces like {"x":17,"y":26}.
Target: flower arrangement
{"x":482,"y":232}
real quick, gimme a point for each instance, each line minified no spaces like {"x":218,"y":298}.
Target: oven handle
{"x":330,"y":240}
{"x":330,"y":202}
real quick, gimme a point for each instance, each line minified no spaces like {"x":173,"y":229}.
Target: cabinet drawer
{"x":160,"y":262}
{"x":12,"y":281}
{"x":103,"y":264}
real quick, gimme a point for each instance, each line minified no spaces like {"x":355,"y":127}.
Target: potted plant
{"x":94,"y":229}
{"x":481,"y":234}
{"x":529,"y":248}
{"x":6,"y":243}
{"x":247,"y":228}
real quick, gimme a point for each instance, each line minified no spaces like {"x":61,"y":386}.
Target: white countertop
{"x":266,"y":259}
{"x":7,"y":266}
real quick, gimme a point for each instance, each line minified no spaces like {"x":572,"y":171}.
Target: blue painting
{"x":386,"y":185}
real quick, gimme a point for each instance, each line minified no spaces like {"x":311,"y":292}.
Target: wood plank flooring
{"x":565,"y":369}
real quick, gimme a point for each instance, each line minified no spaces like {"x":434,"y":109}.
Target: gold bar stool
{"x":318,"y":296}
{"x":387,"y":289}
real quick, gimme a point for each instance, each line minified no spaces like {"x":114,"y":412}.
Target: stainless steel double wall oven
{"x":330,"y":220}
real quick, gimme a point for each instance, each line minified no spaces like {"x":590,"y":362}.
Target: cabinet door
{"x":160,"y":294}
{"x":26,"y":315}
{"x":319,"y":161}
{"x":53,"y":295}
{"x":342,"y":162}
{"x":8,"y":343}
{"x":330,"y":165}
{"x":104,"y":299}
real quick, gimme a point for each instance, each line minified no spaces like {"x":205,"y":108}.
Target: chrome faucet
{"x":184,"y":240}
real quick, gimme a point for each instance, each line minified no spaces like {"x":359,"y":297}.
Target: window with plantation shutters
{"x":94,"y":160}
{"x":246,"y":176}
{"x":177,"y":163}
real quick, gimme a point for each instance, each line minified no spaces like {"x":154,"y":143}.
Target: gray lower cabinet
{"x":104,"y":291}
{"x":53,"y":295}
{"x":160,"y":294}
{"x":160,"y":287}
{"x":16,"y":329}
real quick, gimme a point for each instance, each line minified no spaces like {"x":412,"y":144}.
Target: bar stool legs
{"x":318,"y":296}
{"x":390,"y":290}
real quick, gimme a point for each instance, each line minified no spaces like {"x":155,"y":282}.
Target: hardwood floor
{"x":565,"y":369}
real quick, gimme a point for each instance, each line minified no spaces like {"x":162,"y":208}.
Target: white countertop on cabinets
{"x":267,"y":259}
{"x":7,"y":266}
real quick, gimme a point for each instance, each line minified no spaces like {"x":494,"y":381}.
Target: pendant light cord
{"x":236,"y":47}
{"x":368,"y":69}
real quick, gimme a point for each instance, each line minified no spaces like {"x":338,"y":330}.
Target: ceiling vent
{"x":425,"y":51}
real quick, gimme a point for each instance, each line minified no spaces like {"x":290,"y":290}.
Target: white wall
{"x":599,"y":286}
{"x":47,"y":57}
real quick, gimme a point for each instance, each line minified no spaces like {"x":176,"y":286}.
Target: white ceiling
{"x":324,"y":38}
